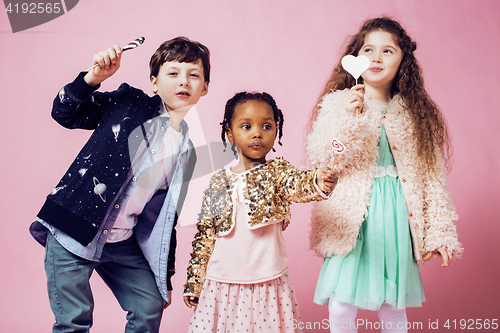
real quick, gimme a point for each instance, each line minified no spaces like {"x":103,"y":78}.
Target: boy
{"x":116,"y":207}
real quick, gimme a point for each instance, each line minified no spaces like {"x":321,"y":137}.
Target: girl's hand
{"x":442,"y":253}
{"x":106,"y":64}
{"x":353,"y":100}
{"x":191,"y":301}
{"x":326,"y":180}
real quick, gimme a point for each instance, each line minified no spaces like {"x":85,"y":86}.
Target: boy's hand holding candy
{"x":326,"y":180}
{"x":105,"y":64}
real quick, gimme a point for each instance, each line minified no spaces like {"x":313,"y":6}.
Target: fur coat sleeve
{"x":335,"y":222}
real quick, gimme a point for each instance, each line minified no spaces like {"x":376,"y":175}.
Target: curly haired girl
{"x":391,"y":209}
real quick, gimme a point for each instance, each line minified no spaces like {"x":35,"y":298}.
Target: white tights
{"x":343,"y":318}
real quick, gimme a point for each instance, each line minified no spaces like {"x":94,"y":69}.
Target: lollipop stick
{"x":132,"y":45}
{"x":355,"y":66}
{"x":357,"y":109}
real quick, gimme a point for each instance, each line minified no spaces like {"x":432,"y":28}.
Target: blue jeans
{"x":122,"y":267}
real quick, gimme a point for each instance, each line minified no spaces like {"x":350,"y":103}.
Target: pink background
{"x":288,"y":49}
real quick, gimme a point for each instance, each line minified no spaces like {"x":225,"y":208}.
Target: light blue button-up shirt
{"x":153,"y":236}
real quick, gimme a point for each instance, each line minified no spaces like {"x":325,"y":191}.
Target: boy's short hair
{"x":180,"y":49}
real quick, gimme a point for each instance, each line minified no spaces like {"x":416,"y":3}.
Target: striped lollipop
{"x":338,"y":147}
{"x":132,"y":45}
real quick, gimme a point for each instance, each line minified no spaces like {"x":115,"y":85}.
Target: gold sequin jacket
{"x":269,"y":190}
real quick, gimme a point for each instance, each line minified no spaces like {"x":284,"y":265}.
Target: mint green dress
{"x":380,"y":268}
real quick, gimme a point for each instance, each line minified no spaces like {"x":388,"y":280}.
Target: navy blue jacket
{"x":76,"y":206}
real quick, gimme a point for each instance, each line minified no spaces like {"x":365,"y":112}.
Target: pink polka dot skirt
{"x":267,"y":307}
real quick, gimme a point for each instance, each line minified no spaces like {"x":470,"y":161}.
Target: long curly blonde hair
{"x":430,"y":128}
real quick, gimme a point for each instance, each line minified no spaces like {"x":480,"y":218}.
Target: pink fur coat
{"x":336,"y":221}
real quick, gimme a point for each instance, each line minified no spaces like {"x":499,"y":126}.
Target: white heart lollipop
{"x":355,"y":65}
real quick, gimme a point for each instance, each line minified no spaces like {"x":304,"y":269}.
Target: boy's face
{"x":180,"y":84}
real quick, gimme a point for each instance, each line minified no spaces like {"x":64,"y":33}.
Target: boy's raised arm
{"x":104,"y":65}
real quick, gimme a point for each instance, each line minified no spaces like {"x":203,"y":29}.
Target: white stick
{"x":357,"y":109}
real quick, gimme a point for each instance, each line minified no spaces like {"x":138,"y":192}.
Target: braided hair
{"x":243,"y":97}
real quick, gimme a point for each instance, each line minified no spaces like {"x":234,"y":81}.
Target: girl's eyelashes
{"x":369,"y":50}
{"x":195,"y":75}
{"x":265,"y":126}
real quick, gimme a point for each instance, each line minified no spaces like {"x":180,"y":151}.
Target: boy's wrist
{"x":91,"y":80}
{"x":79,"y":89}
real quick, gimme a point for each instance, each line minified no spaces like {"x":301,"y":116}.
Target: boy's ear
{"x":229,"y":135}
{"x":154,"y":84}
{"x":205,"y":89}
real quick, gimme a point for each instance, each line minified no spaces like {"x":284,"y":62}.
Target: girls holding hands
{"x":237,"y":276}
{"x":391,"y":209}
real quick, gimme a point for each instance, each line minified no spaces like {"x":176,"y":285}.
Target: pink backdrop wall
{"x":286,"y":48}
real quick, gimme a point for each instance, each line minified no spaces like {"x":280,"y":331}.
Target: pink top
{"x":151,"y":180}
{"x":247,"y":256}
